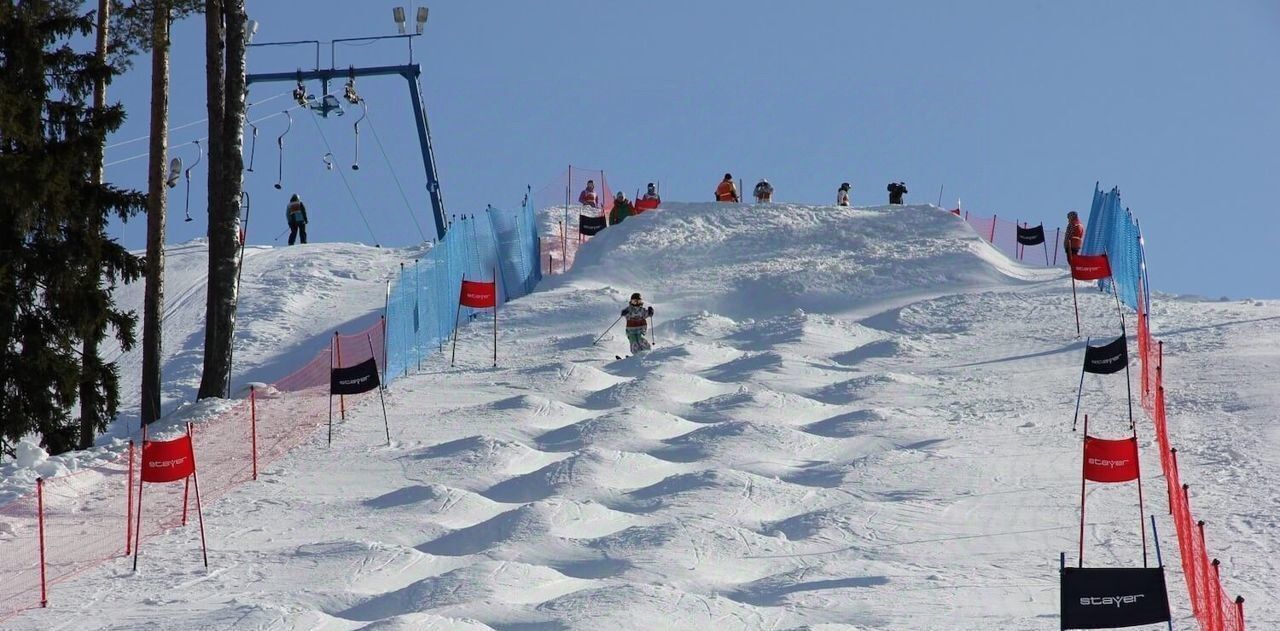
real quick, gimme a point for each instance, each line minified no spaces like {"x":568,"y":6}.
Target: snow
{"x":853,"y":419}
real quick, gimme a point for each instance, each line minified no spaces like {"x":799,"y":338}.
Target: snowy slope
{"x":853,"y":419}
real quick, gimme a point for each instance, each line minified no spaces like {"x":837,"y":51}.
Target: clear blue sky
{"x":1017,"y":107}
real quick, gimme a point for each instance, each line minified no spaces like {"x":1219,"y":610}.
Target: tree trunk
{"x":90,"y":362}
{"x":153,"y":302}
{"x":225,"y":71}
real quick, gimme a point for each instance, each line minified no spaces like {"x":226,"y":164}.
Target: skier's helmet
{"x":728,"y":176}
{"x":636,"y":296}
{"x":844,"y":187}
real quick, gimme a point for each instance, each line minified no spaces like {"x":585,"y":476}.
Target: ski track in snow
{"x":853,"y":419}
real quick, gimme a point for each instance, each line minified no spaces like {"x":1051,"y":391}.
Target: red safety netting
{"x":558,"y":206}
{"x":88,"y":517}
{"x":1213,"y":608}
{"x":1003,"y":235}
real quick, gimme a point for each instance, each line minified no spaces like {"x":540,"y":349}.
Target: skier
{"x":588,"y":195}
{"x":621,"y":209}
{"x":637,"y":316}
{"x":727,"y":191}
{"x":842,"y":195}
{"x":1074,"y":238}
{"x":296,"y":214}
{"x":651,"y":193}
{"x":763,"y":191}
{"x":896,"y":191}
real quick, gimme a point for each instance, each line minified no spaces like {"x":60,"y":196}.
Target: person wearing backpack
{"x":296,"y":214}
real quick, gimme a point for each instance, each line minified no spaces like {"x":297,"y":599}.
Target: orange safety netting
{"x":1213,"y":608}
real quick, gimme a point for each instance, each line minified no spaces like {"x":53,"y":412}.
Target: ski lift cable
{"x":191,"y":124}
{"x":345,"y":183}
{"x":202,"y":138}
{"x":407,"y":206}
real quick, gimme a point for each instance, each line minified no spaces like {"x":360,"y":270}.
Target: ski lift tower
{"x":328,"y":103}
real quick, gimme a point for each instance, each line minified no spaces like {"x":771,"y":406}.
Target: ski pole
{"x":281,"y":234}
{"x":606,"y":331}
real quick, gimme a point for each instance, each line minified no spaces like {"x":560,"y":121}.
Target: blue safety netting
{"x":1113,"y":231}
{"x":422,"y":301}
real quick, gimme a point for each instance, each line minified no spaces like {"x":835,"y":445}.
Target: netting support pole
{"x":44,"y":592}
{"x":1240,"y":612}
{"x":456,"y":317}
{"x":385,"y":424}
{"x":335,"y":338}
{"x":1142,"y":510}
{"x":1173,"y":455}
{"x":1056,"y":231}
{"x":137,"y":527}
{"x":495,"y":315}
{"x":1215,"y":608}
{"x":992,"y":238}
{"x":1080,"y":389}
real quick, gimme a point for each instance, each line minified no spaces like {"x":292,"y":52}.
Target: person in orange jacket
{"x":1073,"y":240}
{"x":727,"y":191}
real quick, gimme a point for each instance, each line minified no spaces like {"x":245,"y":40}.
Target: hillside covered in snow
{"x":853,"y":418}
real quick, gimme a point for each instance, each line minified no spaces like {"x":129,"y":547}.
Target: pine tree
{"x":50,"y":235}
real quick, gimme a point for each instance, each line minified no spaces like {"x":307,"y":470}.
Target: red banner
{"x":167,"y":461}
{"x":1110,"y":460}
{"x":1090,"y":267}
{"x":642,"y":205}
{"x":478,"y":295}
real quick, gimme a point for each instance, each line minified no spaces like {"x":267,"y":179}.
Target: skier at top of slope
{"x":763,"y":191}
{"x":727,"y":191}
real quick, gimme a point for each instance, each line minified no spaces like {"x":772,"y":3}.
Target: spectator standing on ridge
{"x":842,"y":195}
{"x":896,"y":191}
{"x":637,"y":316}
{"x":1073,"y":240}
{"x":652,"y":193}
{"x":621,"y":208}
{"x":763,"y":191}
{"x":588,"y":195}
{"x":296,"y":214}
{"x":727,"y":191}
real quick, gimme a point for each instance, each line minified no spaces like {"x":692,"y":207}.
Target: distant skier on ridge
{"x":763,"y":191}
{"x":637,"y":316}
{"x":896,"y":191}
{"x":588,"y":195}
{"x":842,"y":195}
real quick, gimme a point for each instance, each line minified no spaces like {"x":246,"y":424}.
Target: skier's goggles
{"x":637,"y":302}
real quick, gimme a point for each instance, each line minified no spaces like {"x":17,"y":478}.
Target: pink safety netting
{"x":89,"y":516}
{"x":558,"y":206}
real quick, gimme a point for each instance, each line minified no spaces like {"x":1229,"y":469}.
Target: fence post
{"x":253,"y":426}
{"x":993,"y":230}
{"x":1215,"y":609}
{"x":1173,"y":453}
{"x":1240,"y":612}
{"x":44,"y":594}
{"x":1203,"y":562}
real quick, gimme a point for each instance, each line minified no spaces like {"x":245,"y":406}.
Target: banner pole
{"x":1045,"y":243}
{"x":495,"y":316}
{"x":385,"y":424}
{"x":1056,"y":232}
{"x":186,"y":488}
{"x":204,"y":548}
{"x":44,"y":592}
{"x":1155,"y":537}
{"x":137,"y":529}
{"x":1128,"y":383}
{"x":992,"y":238}
{"x":331,"y":394}
{"x":128,"y":514}
{"x":1083,"y":462}
{"x":342,"y":398}
{"x":1017,"y":245}
{"x":1075,"y":302}
{"x":1142,"y":511}
{"x":456,"y":317}
{"x":1080,"y":389}
{"x":386,"y":305}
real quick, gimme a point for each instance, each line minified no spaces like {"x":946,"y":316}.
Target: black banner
{"x":1104,"y":360}
{"x":362,"y":377}
{"x":1109,"y":597}
{"x":591,"y":225}
{"x":1031,"y":236}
